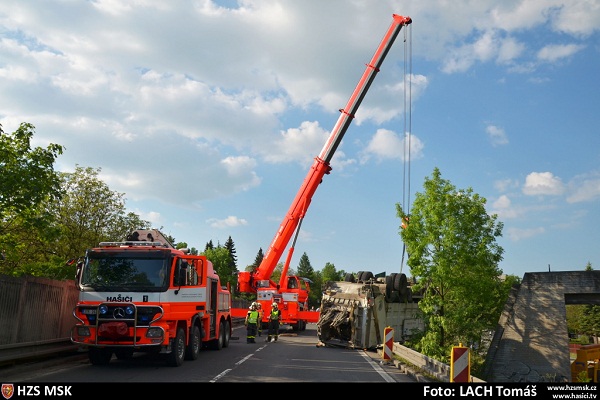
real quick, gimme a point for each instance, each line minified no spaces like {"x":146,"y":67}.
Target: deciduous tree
{"x":27,"y":181}
{"x":89,"y":213}
{"x":452,"y":251}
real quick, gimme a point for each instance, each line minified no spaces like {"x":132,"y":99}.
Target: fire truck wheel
{"x":193,"y":349}
{"x":176,"y":356}
{"x":217,"y":344}
{"x":99,"y":356}
{"x":226,"y":334}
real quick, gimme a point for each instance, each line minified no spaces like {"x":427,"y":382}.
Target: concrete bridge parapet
{"x":531,"y":342}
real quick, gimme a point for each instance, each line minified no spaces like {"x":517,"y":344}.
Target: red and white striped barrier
{"x":388,"y":343}
{"x":460,"y":364}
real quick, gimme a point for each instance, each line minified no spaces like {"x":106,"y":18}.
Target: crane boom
{"x":247,"y":281}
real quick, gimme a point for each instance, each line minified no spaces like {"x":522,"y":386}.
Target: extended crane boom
{"x":250,"y":282}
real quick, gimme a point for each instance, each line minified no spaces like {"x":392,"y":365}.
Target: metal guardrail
{"x":14,"y":353}
{"x":426,"y":365}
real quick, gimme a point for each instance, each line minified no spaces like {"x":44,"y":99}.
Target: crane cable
{"x":407,"y":131}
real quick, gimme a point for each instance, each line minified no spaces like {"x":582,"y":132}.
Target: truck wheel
{"x":359,"y":276}
{"x":226,"y":334}
{"x":400,"y":283}
{"x":389,"y":286}
{"x":366,"y":276}
{"x":177,"y":355}
{"x":99,"y":356}
{"x":217,"y":344}
{"x":193,"y":348}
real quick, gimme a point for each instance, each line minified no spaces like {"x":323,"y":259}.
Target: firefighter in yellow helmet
{"x":250,"y":322}
{"x":274,"y":317}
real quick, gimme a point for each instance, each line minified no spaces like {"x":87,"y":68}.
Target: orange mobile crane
{"x":144,"y":295}
{"x":291,"y":293}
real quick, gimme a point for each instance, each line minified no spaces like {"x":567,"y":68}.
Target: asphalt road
{"x":294,"y":358}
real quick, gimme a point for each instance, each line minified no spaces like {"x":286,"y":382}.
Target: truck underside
{"x":355,"y":314}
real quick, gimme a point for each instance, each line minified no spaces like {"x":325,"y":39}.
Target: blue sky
{"x":207,"y":116}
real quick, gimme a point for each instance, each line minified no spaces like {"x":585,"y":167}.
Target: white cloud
{"x":504,"y":208}
{"x":556,"y":52}
{"x":388,"y":145}
{"x":515,"y":234}
{"x":497,"y":135}
{"x":584,"y":188}
{"x":299,"y":145}
{"x":509,"y":49}
{"x":543,"y":183}
{"x":503,"y":185}
{"x":199,"y":110}
{"x":229,"y":222}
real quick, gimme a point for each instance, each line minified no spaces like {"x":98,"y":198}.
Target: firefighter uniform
{"x":260,"y":318}
{"x":274,"y":317}
{"x":251,"y":323}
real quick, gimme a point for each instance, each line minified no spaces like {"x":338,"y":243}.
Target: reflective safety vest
{"x":275,"y":314}
{"x":252,"y":317}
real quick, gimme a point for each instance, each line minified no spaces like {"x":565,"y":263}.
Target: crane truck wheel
{"x":99,"y":356}
{"x":193,"y":348}
{"x":177,"y":355}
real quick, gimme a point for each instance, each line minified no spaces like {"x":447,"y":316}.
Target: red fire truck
{"x":144,"y":295}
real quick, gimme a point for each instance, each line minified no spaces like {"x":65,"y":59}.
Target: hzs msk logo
{"x":8,"y":390}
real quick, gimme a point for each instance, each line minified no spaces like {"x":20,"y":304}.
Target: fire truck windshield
{"x":132,"y":271}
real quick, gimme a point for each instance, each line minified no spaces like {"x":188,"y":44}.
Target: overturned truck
{"x":355,"y":312}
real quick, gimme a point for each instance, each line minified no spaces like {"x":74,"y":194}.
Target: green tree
{"x":452,"y":251}
{"x":276,"y":274}
{"x":89,"y":213}
{"x":305,"y":270}
{"x":28,"y":177}
{"x":316,"y":290}
{"x":590,"y":320}
{"x":589,"y":316}
{"x":221,"y":260}
{"x":257,"y":260}
{"x":329,"y":273}
{"x":27,"y":181}
{"x":575,"y":316}
{"x":232,"y":270}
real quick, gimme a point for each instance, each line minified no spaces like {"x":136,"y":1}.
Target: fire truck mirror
{"x":78,"y":270}
{"x":179,"y":278}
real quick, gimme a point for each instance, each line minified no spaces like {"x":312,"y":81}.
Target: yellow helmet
{"x":274,"y":305}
